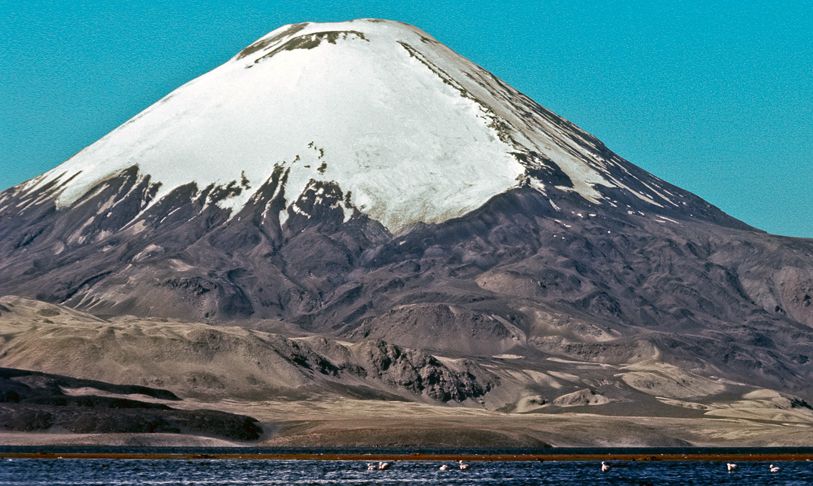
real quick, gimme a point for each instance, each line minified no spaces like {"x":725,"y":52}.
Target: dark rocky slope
{"x":40,"y":402}
{"x":585,"y":281}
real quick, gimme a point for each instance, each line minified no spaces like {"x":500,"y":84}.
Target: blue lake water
{"x":59,"y":472}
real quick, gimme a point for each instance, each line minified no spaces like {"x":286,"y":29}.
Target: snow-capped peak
{"x":410,"y":130}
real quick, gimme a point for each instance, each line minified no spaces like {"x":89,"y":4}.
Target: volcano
{"x":396,"y":221}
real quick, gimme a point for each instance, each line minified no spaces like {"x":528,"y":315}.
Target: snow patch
{"x":406,"y":145}
{"x":409,"y":129}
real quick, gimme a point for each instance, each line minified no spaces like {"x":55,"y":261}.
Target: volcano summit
{"x":353,"y":210}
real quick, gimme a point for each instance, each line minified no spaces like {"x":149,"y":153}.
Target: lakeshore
{"x":702,"y":454}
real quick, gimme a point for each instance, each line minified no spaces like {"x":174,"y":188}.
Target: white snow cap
{"x":412,"y":130}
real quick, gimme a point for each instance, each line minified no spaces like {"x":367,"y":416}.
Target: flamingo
{"x":730,"y":466}
{"x":383,"y":466}
{"x":371,"y":466}
{"x":604,"y":466}
{"x":773,"y":469}
{"x":443,"y":467}
{"x":463,"y":465}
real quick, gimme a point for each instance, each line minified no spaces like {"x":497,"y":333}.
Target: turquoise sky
{"x":716,"y":97}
